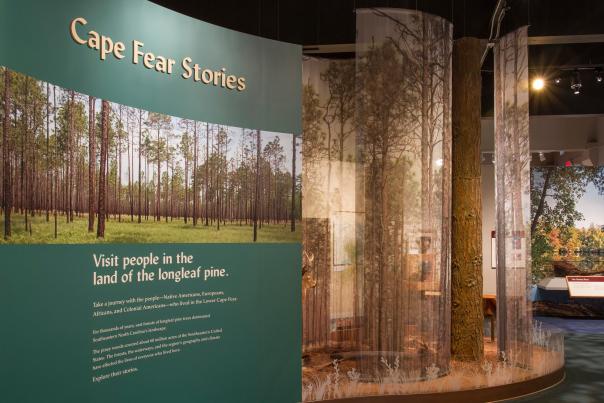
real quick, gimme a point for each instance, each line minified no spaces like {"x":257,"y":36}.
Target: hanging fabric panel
{"x":512,"y":183}
{"x":403,"y":61}
{"x":328,"y":209}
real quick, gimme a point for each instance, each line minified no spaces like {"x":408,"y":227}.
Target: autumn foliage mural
{"x":567,"y":221}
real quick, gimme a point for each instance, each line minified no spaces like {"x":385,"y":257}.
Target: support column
{"x":466,"y":236}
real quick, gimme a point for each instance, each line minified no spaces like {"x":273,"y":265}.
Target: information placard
{"x":585,"y":286}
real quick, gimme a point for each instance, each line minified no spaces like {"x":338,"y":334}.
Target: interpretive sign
{"x":585,"y":286}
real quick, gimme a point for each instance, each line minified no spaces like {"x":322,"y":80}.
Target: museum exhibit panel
{"x":333,"y":201}
{"x":149,"y":207}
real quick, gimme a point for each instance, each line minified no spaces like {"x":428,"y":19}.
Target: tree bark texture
{"x":466,"y":237}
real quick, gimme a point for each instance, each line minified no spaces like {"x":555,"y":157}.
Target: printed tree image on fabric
{"x":376,"y":183}
{"x":512,"y":198}
{"x":76,"y":169}
{"x":376,"y":273}
{"x":566,"y":223}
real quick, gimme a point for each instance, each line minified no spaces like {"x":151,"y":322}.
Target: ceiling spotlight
{"x":439,"y":162}
{"x":541,"y":157}
{"x":599,"y":74}
{"x":538,"y":84}
{"x":557,"y":80}
{"x":575,"y":83}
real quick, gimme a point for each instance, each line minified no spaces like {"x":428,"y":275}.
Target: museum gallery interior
{"x":302,"y":201}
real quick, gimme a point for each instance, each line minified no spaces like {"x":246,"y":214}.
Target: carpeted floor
{"x":584,"y":344}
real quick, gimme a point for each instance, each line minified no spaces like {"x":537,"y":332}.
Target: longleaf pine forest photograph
{"x":77,"y":169}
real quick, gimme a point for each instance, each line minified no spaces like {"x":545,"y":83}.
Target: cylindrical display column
{"x":512,"y":187}
{"x":403,"y":192}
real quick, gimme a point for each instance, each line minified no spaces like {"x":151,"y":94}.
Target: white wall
{"x":553,"y":133}
{"x":580,"y":133}
{"x":488,"y":225}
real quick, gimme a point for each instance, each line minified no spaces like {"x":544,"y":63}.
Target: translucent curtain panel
{"x":512,"y":186}
{"x":328,"y":209}
{"x":403,"y":63}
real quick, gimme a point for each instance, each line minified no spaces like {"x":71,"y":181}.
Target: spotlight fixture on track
{"x":573,"y":75}
{"x":575,"y":82}
{"x":538,"y":84}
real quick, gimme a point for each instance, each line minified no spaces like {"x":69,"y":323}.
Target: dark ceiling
{"x":319,"y":22}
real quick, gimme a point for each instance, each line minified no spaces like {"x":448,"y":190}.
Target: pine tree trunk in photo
{"x":256,"y":193}
{"x":147,"y":201}
{"x":218,"y":183}
{"x":167,"y":192}
{"x":293,"y":206}
{"x":426,"y":192}
{"x":56,"y":173}
{"x":130,"y":164}
{"x":186,"y":189}
{"x":70,"y":162}
{"x":466,"y":248}
{"x":118,"y":161}
{"x":140,"y":135}
{"x":47,"y":192}
{"x":24,"y":146}
{"x":6,"y":179}
{"x":91,"y":161}
{"x":158,"y":190}
{"x":15,"y":179}
{"x":107,"y":172}
{"x":33,"y":156}
{"x":224,"y":184}
{"x":267,"y":215}
{"x":195,"y":195}
{"x":172,"y":190}
{"x":207,"y":172}
{"x":82,"y":168}
{"x":103,"y":169}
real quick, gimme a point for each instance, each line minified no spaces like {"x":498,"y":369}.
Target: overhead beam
{"x":565,"y":39}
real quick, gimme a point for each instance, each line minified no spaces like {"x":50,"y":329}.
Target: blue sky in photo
{"x":591,"y":205}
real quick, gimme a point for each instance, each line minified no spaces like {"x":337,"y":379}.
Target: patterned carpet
{"x":584,"y":343}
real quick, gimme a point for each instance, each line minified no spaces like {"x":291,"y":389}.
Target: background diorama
{"x":567,"y":235}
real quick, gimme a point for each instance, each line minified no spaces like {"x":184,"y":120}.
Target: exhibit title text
{"x":108,"y":48}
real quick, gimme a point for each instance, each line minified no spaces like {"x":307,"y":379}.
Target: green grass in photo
{"x":148,"y":231}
